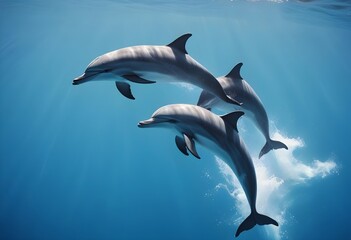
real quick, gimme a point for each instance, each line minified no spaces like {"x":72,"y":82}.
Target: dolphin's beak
{"x":79,"y":80}
{"x":84,"y":77}
{"x":154,"y":121}
{"x":146,"y":123}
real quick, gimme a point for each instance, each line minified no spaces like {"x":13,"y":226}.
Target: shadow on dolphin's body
{"x":236,"y":87}
{"x":195,"y":124}
{"x":148,"y":64}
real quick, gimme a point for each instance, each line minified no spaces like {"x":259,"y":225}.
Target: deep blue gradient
{"x":74,"y":165}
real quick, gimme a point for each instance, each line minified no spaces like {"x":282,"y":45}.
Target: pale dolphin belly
{"x":237,"y":158}
{"x":162,"y":64}
{"x":251,"y":104}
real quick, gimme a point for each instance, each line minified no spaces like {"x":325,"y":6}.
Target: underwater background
{"x":74,"y":164}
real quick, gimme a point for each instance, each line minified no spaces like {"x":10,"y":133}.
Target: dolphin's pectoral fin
{"x":180,"y":142}
{"x":232,"y":100}
{"x":180,"y":43}
{"x":124,"y":88}
{"x":206,"y":99}
{"x":232,"y":119}
{"x":136,"y":79}
{"x":190,"y":144}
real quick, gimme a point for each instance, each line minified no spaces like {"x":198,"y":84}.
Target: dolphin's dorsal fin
{"x":190,"y":144}
{"x":232,"y":119}
{"x":180,"y":43}
{"x":235,"y":72}
{"x":180,"y":142}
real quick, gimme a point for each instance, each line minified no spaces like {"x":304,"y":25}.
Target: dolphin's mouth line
{"x":83,"y":78}
{"x":153,"y":121}
{"x":145,"y":123}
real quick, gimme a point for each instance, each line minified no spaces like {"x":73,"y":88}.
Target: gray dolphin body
{"x":169,"y":63}
{"x":219,"y":134}
{"x":236,"y":87}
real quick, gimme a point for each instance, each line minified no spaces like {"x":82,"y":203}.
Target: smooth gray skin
{"x":236,"y":87}
{"x":147,"y":64}
{"x":218,"y":134}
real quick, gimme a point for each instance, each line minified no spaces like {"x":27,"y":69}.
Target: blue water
{"x":74,"y":164}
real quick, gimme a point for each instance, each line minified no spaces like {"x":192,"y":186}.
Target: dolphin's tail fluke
{"x":252,"y":220}
{"x":271,"y":144}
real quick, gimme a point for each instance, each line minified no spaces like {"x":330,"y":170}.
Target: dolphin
{"x":138,"y":64}
{"x":194,"y":124}
{"x":236,"y":87}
